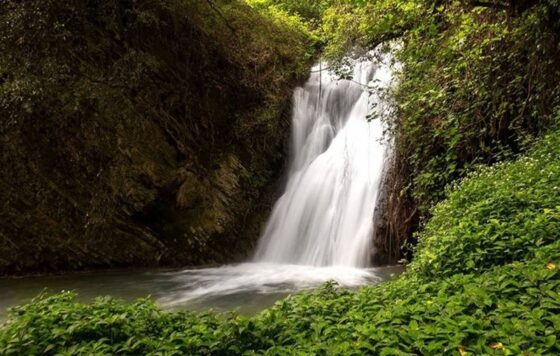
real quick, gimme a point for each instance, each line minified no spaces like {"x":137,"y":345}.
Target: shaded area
{"x":139,"y":133}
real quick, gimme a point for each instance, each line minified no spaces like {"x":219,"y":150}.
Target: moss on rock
{"x":128,"y":128}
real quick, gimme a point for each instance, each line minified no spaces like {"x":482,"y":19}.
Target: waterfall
{"x":321,"y":227}
{"x":325,"y":215}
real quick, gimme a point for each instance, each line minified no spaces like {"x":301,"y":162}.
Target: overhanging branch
{"x":215,"y":8}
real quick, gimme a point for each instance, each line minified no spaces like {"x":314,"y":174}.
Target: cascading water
{"x":321,"y":227}
{"x":324,"y":218}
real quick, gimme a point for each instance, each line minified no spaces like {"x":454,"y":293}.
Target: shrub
{"x":495,"y":216}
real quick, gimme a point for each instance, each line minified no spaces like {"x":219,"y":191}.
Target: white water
{"x":325,"y":216}
{"x":249,"y":280}
{"x":320,"y":229}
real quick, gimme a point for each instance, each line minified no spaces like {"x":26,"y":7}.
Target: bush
{"x":495,"y":216}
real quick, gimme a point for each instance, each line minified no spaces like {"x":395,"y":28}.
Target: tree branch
{"x":215,"y":8}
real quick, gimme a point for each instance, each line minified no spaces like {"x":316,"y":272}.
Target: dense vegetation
{"x":140,"y":133}
{"x":483,"y":281}
{"x":476,"y":83}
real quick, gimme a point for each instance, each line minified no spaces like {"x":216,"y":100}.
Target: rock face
{"x":139,"y":133}
{"x":395,"y":218}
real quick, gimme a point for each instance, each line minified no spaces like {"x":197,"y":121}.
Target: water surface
{"x":248,"y":287}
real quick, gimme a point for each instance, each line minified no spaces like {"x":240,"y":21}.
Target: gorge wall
{"x":139,"y":133}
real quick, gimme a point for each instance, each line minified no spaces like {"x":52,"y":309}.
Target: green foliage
{"x":497,"y":215}
{"x":474,"y":83}
{"x":510,"y":309}
{"x":504,"y":219}
{"x":104,"y":327}
{"x":308,"y":11}
{"x":355,"y":27}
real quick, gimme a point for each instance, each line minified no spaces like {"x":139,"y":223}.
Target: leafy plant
{"x":496,"y":215}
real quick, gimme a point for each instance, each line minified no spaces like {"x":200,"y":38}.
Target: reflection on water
{"x":248,"y":287}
